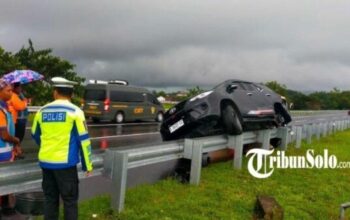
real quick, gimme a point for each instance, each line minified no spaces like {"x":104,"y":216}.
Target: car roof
{"x":116,"y":87}
{"x":238,"y":80}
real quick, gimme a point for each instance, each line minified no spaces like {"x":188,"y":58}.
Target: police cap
{"x":62,"y":82}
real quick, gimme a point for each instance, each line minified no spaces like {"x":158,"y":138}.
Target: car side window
{"x":240,"y":85}
{"x":258,"y":88}
{"x":248,"y":86}
{"x":123,"y":96}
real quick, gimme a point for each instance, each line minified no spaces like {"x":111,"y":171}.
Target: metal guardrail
{"x":117,"y":163}
{"x":26,"y":175}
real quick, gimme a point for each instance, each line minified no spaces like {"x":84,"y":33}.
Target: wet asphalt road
{"x":107,"y":135}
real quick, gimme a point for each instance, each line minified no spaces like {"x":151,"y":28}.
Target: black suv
{"x":231,"y":107}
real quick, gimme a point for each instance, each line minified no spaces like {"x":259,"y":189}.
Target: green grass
{"x":225,"y":193}
{"x":167,"y":106}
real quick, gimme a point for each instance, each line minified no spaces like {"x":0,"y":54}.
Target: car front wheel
{"x":230,"y":120}
{"x":159,"y":117}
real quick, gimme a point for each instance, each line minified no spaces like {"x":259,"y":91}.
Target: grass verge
{"x":225,"y":193}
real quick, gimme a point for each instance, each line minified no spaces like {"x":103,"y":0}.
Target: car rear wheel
{"x":119,"y":117}
{"x":159,"y":117}
{"x":230,"y":120}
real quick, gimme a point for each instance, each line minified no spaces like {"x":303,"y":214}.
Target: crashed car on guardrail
{"x":231,"y":107}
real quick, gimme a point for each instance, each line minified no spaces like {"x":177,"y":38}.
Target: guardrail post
{"x":119,"y":178}
{"x":333,"y":127}
{"x":299,"y":136}
{"x":196,"y":162}
{"x":324,"y":129}
{"x":236,"y":143}
{"x":304,"y":131}
{"x":337,"y":127}
{"x":188,"y":148}
{"x":283,"y":134}
{"x":318,"y":131}
{"x":291,"y":134}
{"x":264,"y":137}
{"x":309,"y":133}
{"x":342,"y":210}
{"x":330,"y":128}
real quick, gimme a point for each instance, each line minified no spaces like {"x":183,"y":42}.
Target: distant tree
{"x":194,"y":91}
{"x":8,"y":62}
{"x":50,"y":66}
{"x":278,"y":88}
{"x":159,"y":93}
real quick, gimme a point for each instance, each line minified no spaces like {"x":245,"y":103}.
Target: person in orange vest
{"x":21,"y":121}
{"x":8,"y":141}
{"x":16,"y":103}
{"x":17,"y":106}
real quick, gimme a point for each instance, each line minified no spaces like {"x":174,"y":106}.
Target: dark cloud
{"x":303,"y":44}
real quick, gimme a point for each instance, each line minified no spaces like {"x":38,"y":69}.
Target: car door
{"x":152,"y":109}
{"x":242,"y":97}
{"x":268,"y":96}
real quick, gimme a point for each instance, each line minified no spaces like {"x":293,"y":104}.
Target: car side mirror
{"x":231,"y":88}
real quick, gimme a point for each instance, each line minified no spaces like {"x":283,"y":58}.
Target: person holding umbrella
{"x":18,"y":108}
{"x":18,"y":103}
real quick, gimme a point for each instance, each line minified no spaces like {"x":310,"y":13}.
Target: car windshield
{"x":95,"y":95}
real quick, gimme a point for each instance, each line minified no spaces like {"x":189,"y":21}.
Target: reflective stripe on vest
{"x":6,"y":146}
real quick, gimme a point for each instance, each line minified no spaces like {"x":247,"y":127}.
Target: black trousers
{"x":61,"y":183}
{"x":20,"y":128}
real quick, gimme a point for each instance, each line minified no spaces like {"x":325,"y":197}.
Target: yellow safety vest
{"x":59,"y":128}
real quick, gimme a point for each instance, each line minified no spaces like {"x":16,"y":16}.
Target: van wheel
{"x":160,"y":117}
{"x":119,"y":117}
{"x":230,"y":120}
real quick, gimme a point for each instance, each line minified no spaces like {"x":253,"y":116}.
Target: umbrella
{"x":22,"y":76}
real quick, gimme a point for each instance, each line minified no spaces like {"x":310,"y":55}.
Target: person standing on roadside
{"x":22,"y":113}
{"x":59,"y":128}
{"x":8,"y":141}
{"x":18,"y":108}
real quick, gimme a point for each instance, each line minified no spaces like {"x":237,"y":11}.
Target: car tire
{"x":230,"y":120}
{"x":160,"y":117}
{"x":119,"y":117}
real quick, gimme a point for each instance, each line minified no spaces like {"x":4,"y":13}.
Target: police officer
{"x":59,"y":128}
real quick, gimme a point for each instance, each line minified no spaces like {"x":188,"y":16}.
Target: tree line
{"x":45,"y":63}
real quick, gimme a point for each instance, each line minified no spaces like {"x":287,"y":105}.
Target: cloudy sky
{"x":184,"y":43}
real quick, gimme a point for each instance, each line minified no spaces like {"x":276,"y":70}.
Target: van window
{"x":152,"y":99}
{"x":95,"y":95}
{"x":122,"y":96}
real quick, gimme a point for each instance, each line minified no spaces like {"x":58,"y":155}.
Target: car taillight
{"x":106,"y":103}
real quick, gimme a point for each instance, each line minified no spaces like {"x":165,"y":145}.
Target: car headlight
{"x":200,"y":96}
